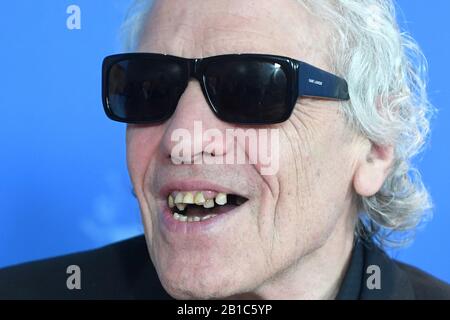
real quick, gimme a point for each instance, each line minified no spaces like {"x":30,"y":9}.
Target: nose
{"x":189,"y":133}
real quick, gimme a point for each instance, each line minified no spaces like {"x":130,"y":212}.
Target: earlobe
{"x":372,"y":170}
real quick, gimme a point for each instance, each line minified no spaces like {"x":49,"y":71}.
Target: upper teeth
{"x":188,"y":198}
{"x":181,"y":199}
{"x":209,"y":203}
{"x":199,"y":198}
{"x":221,"y":199}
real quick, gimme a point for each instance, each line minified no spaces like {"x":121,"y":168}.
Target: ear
{"x":373,"y":169}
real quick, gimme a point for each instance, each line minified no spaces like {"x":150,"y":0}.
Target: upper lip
{"x":195,"y":185}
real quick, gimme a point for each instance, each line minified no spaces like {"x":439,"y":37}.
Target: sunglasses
{"x":239,"y":88}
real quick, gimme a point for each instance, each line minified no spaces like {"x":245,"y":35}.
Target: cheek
{"x":314,"y":178}
{"x":142,"y":143}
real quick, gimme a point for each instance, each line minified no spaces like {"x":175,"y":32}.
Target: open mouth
{"x":195,"y":206}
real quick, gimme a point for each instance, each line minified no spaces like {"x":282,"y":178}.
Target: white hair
{"x":386,"y":72}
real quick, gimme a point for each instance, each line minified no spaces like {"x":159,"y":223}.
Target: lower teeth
{"x":183,"y":218}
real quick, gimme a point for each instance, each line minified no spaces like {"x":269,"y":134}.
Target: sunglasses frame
{"x":303,"y":80}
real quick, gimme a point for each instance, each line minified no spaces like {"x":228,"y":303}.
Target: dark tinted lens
{"x":248,"y":91}
{"x":145,"y":89}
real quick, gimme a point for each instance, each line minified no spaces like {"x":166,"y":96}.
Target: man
{"x":331,"y":81}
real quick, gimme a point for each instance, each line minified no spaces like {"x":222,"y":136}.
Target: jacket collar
{"x":394,"y":283}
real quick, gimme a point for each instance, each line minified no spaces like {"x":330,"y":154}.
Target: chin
{"x":194,"y":276}
{"x":209,"y":286}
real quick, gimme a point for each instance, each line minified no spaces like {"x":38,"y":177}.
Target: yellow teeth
{"x":180,"y":200}
{"x":171,"y":202}
{"x":188,"y":198}
{"x":179,"y":197}
{"x":208,"y":204}
{"x":196,"y":197}
{"x":199,"y":199}
{"x":181,"y":206}
{"x":221,"y":199}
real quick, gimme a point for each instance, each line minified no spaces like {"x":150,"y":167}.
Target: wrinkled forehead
{"x":198,"y":28}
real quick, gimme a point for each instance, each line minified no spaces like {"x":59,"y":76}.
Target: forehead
{"x":199,"y":28}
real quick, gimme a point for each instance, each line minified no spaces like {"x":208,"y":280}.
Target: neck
{"x":317,"y":275}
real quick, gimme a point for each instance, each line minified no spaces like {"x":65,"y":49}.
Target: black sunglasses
{"x":240,"y":88}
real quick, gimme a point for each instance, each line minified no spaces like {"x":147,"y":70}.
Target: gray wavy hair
{"x":387,"y":74}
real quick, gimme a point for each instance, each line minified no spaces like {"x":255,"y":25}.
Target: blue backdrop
{"x":63,"y":180}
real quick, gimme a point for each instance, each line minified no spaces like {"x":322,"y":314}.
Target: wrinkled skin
{"x":293,"y":237}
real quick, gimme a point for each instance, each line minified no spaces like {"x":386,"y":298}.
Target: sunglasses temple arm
{"x":314,"y":82}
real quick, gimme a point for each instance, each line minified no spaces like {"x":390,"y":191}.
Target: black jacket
{"x":124,"y":271}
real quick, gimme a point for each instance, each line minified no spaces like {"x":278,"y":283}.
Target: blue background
{"x":63,"y":180}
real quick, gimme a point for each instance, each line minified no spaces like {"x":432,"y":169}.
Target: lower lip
{"x":176,"y":226}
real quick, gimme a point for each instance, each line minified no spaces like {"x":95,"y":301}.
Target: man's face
{"x":289,"y":215}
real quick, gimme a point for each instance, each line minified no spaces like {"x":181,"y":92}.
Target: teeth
{"x":188,"y":198}
{"x":196,"y":197}
{"x":221,"y":199}
{"x":199,"y":198}
{"x":179,"y":197}
{"x":183,"y":218}
{"x":171,"y":203}
{"x":209,"y":204}
{"x":181,"y":206}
